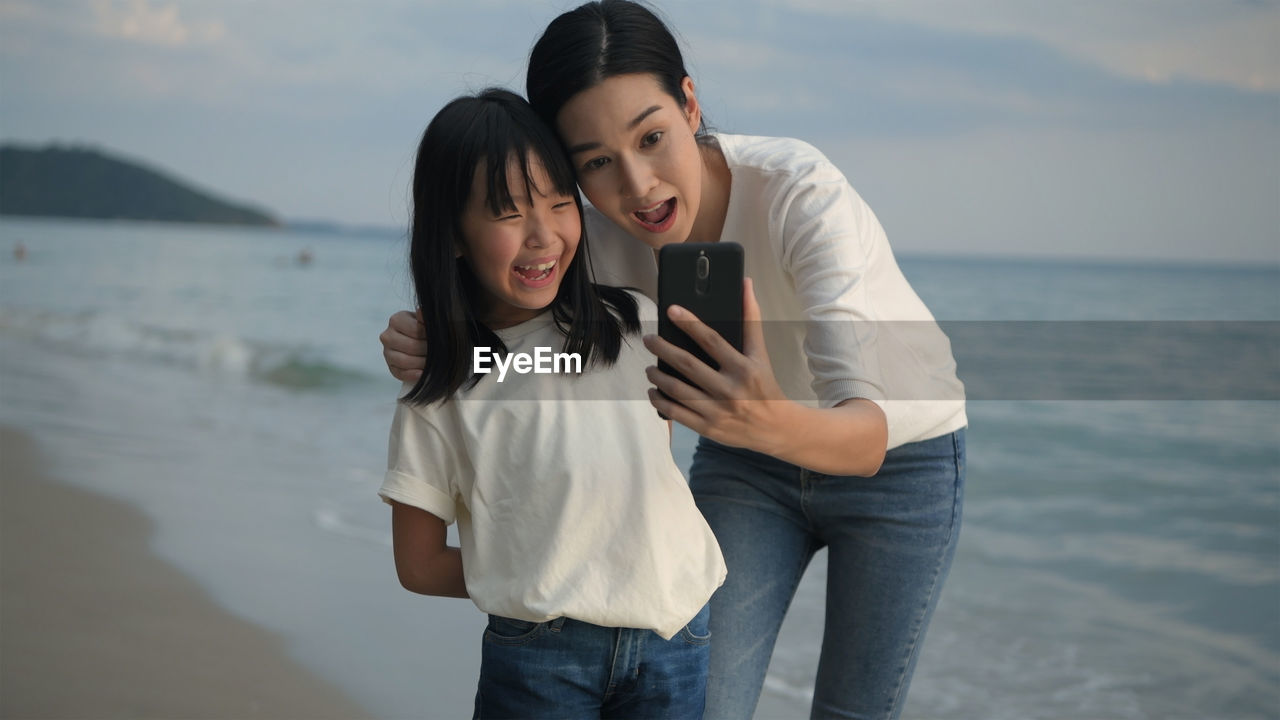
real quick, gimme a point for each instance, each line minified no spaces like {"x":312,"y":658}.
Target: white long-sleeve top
{"x":840,"y":319}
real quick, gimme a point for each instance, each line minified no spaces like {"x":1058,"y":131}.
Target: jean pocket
{"x":697,"y":631}
{"x":510,"y":631}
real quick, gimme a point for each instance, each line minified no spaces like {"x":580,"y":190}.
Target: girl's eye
{"x":652,"y":138}
{"x":595,"y":163}
{"x":509,"y":216}
{"x":563,"y":204}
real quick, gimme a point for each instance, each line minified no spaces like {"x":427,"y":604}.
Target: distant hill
{"x":57,"y":181}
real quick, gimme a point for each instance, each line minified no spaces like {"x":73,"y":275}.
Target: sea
{"x":1119,"y":555}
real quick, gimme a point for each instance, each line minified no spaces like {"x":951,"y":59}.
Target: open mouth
{"x":659,"y":217}
{"x":534,"y":273}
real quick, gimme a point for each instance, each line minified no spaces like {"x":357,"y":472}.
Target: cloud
{"x":138,"y":21}
{"x":1160,"y":41}
{"x":830,"y":75}
{"x":983,"y":124}
{"x":1169,"y":195}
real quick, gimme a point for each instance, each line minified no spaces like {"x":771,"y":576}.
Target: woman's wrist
{"x":848,"y":439}
{"x":780,"y":423}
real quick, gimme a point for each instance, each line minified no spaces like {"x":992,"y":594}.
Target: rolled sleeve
{"x":421,"y":466}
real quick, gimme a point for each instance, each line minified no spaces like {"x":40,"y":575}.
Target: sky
{"x":1134,"y":129}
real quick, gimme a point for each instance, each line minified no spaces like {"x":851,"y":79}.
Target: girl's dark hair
{"x":488,"y":131}
{"x":595,"y":41}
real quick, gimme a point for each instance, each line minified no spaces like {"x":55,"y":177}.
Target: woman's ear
{"x":692,"y":111}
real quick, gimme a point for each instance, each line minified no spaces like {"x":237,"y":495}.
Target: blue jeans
{"x":890,"y":540}
{"x":571,"y":669}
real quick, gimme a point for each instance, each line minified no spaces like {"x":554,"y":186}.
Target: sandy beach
{"x":93,"y":625}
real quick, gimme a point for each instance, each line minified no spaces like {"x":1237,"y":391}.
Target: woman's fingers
{"x":687,"y":364}
{"x":407,"y":324}
{"x":736,"y":405}
{"x":403,"y":346}
{"x":394,"y":342}
{"x":675,"y":411}
{"x":405,"y":368}
{"x":679,"y":391}
{"x":706,"y":337}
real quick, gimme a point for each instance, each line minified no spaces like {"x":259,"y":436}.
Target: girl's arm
{"x":424,"y":563}
{"x":742,"y":404}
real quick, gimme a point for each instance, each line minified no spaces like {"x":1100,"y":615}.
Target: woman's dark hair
{"x":489,"y":130}
{"x":595,"y":41}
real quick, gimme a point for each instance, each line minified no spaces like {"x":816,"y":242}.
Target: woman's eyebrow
{"x":640,"y":118}
{"x":583,"y":147}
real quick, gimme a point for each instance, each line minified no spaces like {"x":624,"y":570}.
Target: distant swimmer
{"x":19,"y":252}
{"x":305,"y":257}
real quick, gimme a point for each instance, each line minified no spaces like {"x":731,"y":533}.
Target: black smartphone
{"x":705,"y":279}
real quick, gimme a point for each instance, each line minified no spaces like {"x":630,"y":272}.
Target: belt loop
{"x":557,"y":624}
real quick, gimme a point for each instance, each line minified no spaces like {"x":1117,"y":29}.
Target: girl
{"x":577,"y":532}
{"x":841,"y":425}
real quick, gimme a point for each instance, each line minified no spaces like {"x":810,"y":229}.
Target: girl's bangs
{"x":510,"y":140}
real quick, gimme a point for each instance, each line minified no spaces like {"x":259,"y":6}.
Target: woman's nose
{"x":637,"y":179}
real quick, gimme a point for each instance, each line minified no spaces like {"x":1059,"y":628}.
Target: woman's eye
{"x":595,"y":163}
{"x":652,"y":138}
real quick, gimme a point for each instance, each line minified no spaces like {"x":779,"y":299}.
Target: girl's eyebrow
{"x":583,"y":147}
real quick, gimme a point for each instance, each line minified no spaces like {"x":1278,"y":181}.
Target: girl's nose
{"x":540,"y":232}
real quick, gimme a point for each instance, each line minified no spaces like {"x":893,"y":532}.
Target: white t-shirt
{"x":567,"y":499}
{"x":841,"y":320}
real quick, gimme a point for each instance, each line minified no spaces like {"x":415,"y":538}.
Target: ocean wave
{"x":332,"y":519}
{"x":1128,"y":552}
{"x":91,"y":333}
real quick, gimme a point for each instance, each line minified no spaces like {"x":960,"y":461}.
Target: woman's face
{"x":636,"y":156}
{"x":519,"y":256}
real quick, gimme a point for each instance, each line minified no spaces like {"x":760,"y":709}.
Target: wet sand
{"x":94,"y":625}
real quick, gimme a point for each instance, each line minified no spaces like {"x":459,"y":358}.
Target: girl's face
{"x":635,"y":154}
{"x":519,"y":255}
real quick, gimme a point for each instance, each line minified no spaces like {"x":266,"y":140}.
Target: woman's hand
{"x":742,"y":404}
{"x":736,"y":405}
{"x":404,"y":346}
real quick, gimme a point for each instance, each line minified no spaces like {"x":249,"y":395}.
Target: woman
{"x":840,"y":425}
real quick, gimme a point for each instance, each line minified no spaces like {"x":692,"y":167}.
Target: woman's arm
{"x":742,"y":404}
{"x":404,"y":346}
{"x":424,"y":563}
